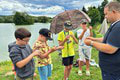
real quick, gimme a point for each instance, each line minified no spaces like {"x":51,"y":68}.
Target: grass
{"x":57,"y":73}
{"x":58,"y":68}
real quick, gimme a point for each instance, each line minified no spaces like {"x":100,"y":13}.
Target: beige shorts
{"x":84,"y":53}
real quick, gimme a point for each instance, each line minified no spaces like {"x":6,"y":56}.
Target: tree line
{"x":96,"y":13}
{"x":22,"y":18}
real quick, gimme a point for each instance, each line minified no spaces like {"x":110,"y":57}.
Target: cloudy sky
{"x":44,"y":7}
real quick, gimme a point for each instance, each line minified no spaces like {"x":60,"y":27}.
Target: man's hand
{"x":91,"y":38}
{"x":87,"y":42}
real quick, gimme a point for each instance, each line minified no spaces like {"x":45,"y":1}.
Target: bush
{"x":22,"y":19}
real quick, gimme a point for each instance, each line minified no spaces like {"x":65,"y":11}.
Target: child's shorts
{"x":84,"y":53}
{"x":45,"y":72}
{"x":67,"y":61}
{"x":29,"y":78}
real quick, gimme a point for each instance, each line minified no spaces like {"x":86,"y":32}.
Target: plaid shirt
{"x":43,"y":48}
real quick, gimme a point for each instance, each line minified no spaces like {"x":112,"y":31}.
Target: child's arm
{"x":91,"y":33}
{"x":23,"y":62}
{"x":74,"y":38}
{"x":82,"y":34}
{"x":45,"y":55}
{"x":61,"y":43}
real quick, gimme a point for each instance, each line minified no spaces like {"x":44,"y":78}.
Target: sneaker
{"x":87,"y":73}
{"x":80,"y":72}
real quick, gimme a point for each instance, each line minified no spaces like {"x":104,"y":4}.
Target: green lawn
{"x":58,"y":68}
{"x":57,"y":73}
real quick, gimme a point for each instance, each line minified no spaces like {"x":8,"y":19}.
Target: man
{"x":109,"y":52}
{"x":84,"y":50}
{"x":66,"y":39}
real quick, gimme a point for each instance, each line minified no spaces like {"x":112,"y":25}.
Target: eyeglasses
{"x":25,"y":40}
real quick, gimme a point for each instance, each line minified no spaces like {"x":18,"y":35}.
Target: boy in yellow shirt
{"x":66,"y":39}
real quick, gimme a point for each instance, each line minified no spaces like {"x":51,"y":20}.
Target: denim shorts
{"x":45,"y":72}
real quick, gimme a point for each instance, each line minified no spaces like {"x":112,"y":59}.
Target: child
{"x":44,"y":63}
{"x":22,"y":56}
{"x":84,"y":50}
{"x":66,"y":39}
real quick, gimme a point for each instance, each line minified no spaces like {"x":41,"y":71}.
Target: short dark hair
{"x":114,"y":5}
{"x":45,"y":32}
{"x":22,"y":33}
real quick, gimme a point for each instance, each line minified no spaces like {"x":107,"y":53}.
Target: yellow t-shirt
{"x":68,"y":47}
{"x":43,"y":48}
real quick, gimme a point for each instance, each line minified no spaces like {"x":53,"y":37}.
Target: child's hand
{"x":90,"y":27}
{"x":67,"y":37}
{"x":53,"y":49}
{"x":60,"y":47}
{"x":72,"y":36}
{"x":36,"y":53}
{"x":85,"y":29}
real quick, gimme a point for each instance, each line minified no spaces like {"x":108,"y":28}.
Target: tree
{"x":101,"y":9}
{"x":94,"y":14}
{"x":8,"y":19}
{"x":2,"y":20}
{"x":43,"y":19}
{"x":84,"y":10}
{"x":22,"y":18}
{"x":118,"y":0}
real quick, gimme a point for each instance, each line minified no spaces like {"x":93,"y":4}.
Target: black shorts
{"x":67,"y":61}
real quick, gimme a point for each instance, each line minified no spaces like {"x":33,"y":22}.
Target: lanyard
{"x":67,"y":42}
{"x":66,"y":33}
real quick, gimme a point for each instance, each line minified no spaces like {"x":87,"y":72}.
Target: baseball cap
{"x":45,"y":32}
{"x":68,"y":25}
{"x":83,"y":21}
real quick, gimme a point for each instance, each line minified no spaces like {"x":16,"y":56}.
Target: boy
{"x":84,"y":50}
{"x":66,"y":39}
{"x":22,"y":56}
{"x":44,"y":63}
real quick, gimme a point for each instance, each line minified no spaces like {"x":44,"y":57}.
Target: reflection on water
{"x":7,"y":36}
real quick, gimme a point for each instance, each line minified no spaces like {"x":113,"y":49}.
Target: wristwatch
{"x":91,"y":43}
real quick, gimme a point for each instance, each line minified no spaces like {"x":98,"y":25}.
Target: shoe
{"x":66,"y":78}
{"x":87,"y":73}
{"x":80,"y":72}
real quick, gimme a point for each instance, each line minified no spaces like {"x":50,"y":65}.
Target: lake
{"x":7,"y":36}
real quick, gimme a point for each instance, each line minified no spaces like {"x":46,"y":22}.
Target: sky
{"x":44,"y":7}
